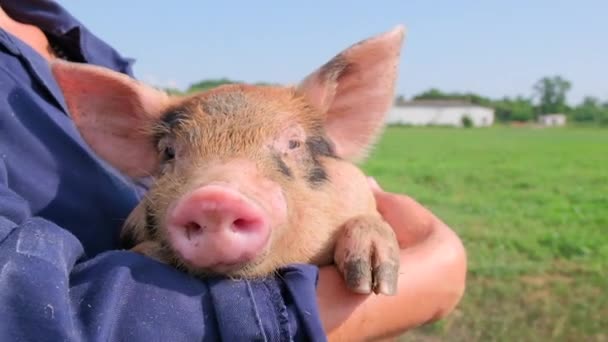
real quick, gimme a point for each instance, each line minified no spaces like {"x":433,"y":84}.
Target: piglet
{"x":248,"y":179}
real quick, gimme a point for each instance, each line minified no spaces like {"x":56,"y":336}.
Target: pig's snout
{"x":216,"y":227}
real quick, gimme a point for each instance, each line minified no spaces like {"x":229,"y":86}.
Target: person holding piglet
{"x":61,"y":209}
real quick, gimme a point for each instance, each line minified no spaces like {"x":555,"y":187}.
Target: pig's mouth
{"x":235,"y":270}
{"x":245,"y":269}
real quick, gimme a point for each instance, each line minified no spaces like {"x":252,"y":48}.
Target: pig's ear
{"x":355,"y":89}
{"x":113,"y":113}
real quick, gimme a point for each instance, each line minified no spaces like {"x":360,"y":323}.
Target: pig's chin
{"x":262,"y":265}
{"x":246,"y":269}
{"x":245,"y":265}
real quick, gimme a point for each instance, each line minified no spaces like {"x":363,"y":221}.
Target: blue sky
{"x":494,"y":48}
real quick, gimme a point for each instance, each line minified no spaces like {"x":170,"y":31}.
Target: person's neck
{"x":30,"y":34}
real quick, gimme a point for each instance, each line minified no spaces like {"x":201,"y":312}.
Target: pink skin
{"x":217,"y":227}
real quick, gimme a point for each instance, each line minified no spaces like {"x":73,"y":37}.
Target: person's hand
{"x":411,"y":222}
{"x":431,"y":281}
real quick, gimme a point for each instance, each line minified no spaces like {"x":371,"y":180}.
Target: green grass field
{"x":531,"y":206}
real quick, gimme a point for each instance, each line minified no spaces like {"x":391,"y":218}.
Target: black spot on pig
{"x":336,"y":68}
{"x":317,"y":175}
{"x":283,"y":168}
{"x":318,"y":146}
{"x":169,"y":121}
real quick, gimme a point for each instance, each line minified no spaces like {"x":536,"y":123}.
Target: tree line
{"x":548,"y":96}
{"x":206,"y":85}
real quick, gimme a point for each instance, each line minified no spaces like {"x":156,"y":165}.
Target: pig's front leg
{"x":367,"y":254}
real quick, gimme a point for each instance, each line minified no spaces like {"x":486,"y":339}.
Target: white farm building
{"x":552,"y":119}
{"x":439,"y":112}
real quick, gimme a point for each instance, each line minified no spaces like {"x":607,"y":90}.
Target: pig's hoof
{"x":367,"y":254}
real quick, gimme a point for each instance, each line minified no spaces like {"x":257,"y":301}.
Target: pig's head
{"x":247,"y":178}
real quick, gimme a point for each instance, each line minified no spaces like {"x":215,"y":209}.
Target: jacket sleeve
{"x":46,"y":293}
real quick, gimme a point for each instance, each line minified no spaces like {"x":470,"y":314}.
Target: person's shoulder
{"x":68,"y":33}
{"x":12,"y":71}
{"x":9,"y":53}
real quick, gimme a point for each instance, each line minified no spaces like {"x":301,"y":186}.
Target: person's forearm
{"x":431,"y":283}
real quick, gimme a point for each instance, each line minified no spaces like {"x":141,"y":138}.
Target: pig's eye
{"x":293,"y":144}
{"x":169,"y":153}
{"x":166,"y":149}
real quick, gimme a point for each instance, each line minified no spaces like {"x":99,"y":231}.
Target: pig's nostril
{"x":192,"y":228}
{"x":244,"y":224}
{"x":240,"y":224}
